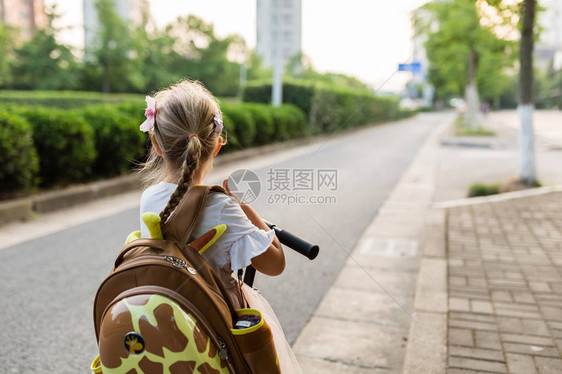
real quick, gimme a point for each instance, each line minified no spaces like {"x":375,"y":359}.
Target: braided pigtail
{"x":190,"y":166}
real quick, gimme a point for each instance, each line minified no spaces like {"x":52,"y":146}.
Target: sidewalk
{"x":362,"y":324}
{"x":505,"y":286}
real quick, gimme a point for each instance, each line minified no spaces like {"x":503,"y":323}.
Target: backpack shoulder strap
{"x":183,"y":220}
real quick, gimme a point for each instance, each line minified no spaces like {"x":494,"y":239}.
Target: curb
{"x":15,"y":210}
{"x":427,"y":339}
{"x":26,"y":208}
{"x":465,"y":144}
{"x":499,"y":197}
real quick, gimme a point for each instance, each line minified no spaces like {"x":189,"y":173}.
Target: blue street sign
{"x":414,"y":67}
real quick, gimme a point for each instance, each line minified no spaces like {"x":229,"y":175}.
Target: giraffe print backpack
{"x":163,"y":309}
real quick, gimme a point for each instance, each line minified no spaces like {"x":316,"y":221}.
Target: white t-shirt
{"x":241,"y":241}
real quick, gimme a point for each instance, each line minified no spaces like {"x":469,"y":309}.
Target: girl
{"x":185,"y":125}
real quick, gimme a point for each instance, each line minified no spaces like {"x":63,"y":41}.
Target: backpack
{"x":163,"y":309}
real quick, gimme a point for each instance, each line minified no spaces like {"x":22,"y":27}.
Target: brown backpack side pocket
{"x":256,"y":343}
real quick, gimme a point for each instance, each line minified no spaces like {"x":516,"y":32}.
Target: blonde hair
{"x":183,"y":109}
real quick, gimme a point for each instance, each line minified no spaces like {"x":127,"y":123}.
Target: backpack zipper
{"x":179,"y":263}
{"x":223,"y":350}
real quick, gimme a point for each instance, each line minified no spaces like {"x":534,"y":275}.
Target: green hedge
{"x":54,"y":146}
{"x":263,"y":118}
{"x":64,"y":142}
{"x":64,"y":99}
{"x":18,"y":158}
{"x":118,"y":140}
{"x":231,"y":139}
{"x":244,"y":124}
{"x":255,"y":124}
{"x":297,"y":125}
{"x":336,"y":109}
{"x":329,"y":108}
{"x":298,"y":94}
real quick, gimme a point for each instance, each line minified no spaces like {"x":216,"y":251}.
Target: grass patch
{"x":463,"y":130}
{"x":486,"y":189}
{"x":483,"y":189}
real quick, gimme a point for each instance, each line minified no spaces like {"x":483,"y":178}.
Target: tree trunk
{"x":106,"y":88}
{"x":527,"y":168}
{"x":471,"y":93}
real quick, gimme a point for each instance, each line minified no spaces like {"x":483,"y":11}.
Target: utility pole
{"x":277,"y":86}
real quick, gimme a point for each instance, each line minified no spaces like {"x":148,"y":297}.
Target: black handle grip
{"x":294,"y":242}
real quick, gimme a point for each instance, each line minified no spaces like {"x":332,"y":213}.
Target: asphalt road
{"x":48,"y":284}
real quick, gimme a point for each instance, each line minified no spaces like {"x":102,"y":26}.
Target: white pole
{"x":277,"y":86}
{"x":243,"y":76}
{"x":527,"y":167}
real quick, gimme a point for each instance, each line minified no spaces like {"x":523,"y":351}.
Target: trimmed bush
{"x":282,"y":123}
{"x":64,"y":143}
{"x":64,"y":99}
{"x":289,"y":122}
{"x":336,"y":109}
{"x":231,"y":139}
{"x":297,"y":123}
{"x":134,"y":109}
{"x":328,"y":108}
{"x":18,"y":159}
{"x":118,"y":140}
{"x":298,"y":94}
{"x":263,"y":118}
{"x":244,"y":124}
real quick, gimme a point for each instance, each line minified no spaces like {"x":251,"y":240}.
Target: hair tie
{"x":191,"y":136}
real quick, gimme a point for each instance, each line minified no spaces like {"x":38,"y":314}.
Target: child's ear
{"x":155,"y":144}
{"x":218,"y":148}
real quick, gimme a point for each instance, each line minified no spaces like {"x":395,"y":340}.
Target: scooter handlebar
{"x":292,"y":241}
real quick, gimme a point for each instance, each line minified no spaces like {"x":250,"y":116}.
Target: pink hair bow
{"x":150,"y":113}
{"x":217,"y":120}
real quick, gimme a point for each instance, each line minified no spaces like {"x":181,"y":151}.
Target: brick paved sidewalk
{"x":504,"y":263}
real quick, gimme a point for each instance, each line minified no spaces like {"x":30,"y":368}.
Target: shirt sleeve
{"x":244,"y":239}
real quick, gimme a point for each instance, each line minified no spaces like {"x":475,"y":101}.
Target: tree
{"x":200,"y":54}
{"x":113,"y":52}
{"x":153,"y":48}
{"x":527,"y":169}
{"x":465,"y":54}
{"x":300,"y":67}
{"x":6,"y":56}
{"x":256,"y":69}
{"x":523,"y":15}
{"x":42,"y":63}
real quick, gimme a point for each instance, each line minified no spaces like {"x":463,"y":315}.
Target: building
{"x":25,"y":15}
{"x":419,"y":56}
{"x":129,"y":10}
{"x":288,"y":13}
{"x":548,"y":49}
